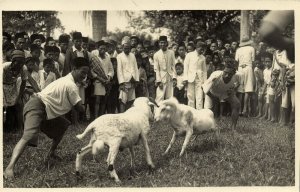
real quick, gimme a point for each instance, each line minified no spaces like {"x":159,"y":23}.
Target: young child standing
{"x":180,"y":89}
{"x":141,"y":89}
{"x":259,"y":78}
{"x":47,"y":75}
{"x":266,"y":90}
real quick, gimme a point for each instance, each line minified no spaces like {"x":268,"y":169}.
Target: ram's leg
{"x":147,"y":151}
{"x":186,"y":141}
{"x":132,"y":157}
{"x":113,"y":152}
{"x":79,"y":157}
{"x":171,"y":143}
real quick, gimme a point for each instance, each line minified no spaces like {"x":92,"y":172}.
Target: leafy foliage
{"x":31,"y":21}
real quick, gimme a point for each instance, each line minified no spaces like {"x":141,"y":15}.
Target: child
{"x":259,"y":78}
{"x":266,"y":90}
{"x":180,"y":89}
{"x":46,"y":75}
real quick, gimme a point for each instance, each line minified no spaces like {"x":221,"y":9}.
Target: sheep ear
{"x":152,"y":101}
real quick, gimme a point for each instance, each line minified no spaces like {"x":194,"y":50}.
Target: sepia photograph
{"x":148,"y":98}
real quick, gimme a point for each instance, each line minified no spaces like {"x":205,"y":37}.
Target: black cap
{"x":77,"y":35}
{"x":49,"y":39}
{"x":42,"y":38}
{"x":34,"y":37}
{"x":85,"y":39}
{"x":163,"y":38}
{"x":64,"y":38}
{"x":101,"y":42}
{"x":80,"y":62}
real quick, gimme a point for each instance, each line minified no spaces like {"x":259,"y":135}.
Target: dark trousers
{"x":179,"y":95}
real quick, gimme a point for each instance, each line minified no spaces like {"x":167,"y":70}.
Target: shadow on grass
{"x":207,"y":145}
{"x":247,"y":130}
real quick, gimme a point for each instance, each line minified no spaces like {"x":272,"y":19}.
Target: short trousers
{"x":35,"y":120}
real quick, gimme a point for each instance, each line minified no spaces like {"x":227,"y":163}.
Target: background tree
{"x":31,"y":22}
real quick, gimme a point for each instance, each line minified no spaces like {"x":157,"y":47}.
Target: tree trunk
{"x":245,"y":25}
{"x":99,"y":24}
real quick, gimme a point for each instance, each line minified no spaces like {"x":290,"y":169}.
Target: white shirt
{"x":194,"y":65}
{"x":127,"y":68}
{"x":79,"y":53}
{"x":180,"y":79}
{"x":267,"y":75}
{"x":60,"y":96}
{"x":245,"y":55}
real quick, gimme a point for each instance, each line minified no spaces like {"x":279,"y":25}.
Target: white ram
{"x":185,"y":121}
{"x":119,"y":131}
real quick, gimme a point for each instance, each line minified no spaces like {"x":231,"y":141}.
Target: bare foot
{"x":8,"y":174}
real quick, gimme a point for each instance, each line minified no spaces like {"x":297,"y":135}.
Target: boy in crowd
{"x":181,"y":53}
{"x":50,"y":41}
{"x":259,"y":79}
{"x":180,"y":89}
{"x":266,"y":89}
{"x":46,"y":74}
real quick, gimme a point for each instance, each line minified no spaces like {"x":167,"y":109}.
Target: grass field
{"x":260,"y":154}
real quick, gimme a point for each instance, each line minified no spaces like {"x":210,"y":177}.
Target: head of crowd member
{"x":19,"y":41}
{"x":63,"y":42}
{"x":229,"y":71}
{"x":50,"y":41}
{"x":26,"y":38}
{"x":181,"y":50}
{"x":111,"y":46}
{"x":262,"y":47}
{"x":234,"y":45}
{"x":219,"y":44}
{"x":151,"y":51}
{"x":31,"y":64}
{"x":174,"y":47}
{"x":227,"y":57}
{"x":222,"y":51}
{"x":48,"y":65}
{"x":42,"y":38}
{"x":190,"y":47}
{"x":268,"y":62}
{"x":179,"y":68}
{"x":35,"y":50}
{"x":213,"y":46}
{"x":80,"y":70}
{"x":139,"y":48}
{"x":208,"y":58}
{"x":56,"y":51}
{"x":36,"y":39}
{"x":6,"y":38}
{"x":85,"y":43}
{"x":126,"y":48}
{"x":119,"y":48}
{"x":208,"y":42}
{"x":200,"y":47}
{"x":49,"y":52}
{"x":102,"y":48}
{"x":133,"y":50}
{"x":216,"y":58}
{"x":92,"y":46}
{"x":146,"y":44}
{"x":227,"y":46}
{"x":17,"y":62}
{"x":163,"y":43}
{"x":7,"y":50}
{"x":77,"y":40}
{"x":134,"y":40}
{"x":144,"y":53}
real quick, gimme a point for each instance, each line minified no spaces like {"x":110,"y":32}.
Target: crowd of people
{"x":263,"y":78}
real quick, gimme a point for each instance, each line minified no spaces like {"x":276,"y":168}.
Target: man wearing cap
{"x":44,"y":112}
{"x":11,"y":92}
{"x":128,"y":75}
{"x":245,"y":56}
{"x":221,"y":86}
{"x":164,"y":67}
{"x":102,"y":72}
{"x":195,"y":74}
